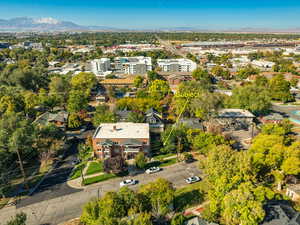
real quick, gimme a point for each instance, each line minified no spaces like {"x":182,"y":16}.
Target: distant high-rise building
{"x":100,"y":67}
{"x":176,"y":65}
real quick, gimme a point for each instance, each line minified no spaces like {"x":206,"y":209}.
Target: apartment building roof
{"x":122,"y":130}
{"x":134,"y":60}
{"x":170,"y":61}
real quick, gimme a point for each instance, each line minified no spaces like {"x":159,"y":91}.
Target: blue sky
{"x":205,"y":14}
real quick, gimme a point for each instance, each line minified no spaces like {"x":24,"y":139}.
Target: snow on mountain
{"x":48,"y":20}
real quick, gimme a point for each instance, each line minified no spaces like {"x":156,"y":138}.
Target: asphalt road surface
{"x":54,"y":185}
{"x":57,"y":203}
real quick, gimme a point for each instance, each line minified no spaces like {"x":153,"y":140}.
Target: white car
{"x":192,"y":179}
{"x":153,"y":170}
{"x":128,"y":182}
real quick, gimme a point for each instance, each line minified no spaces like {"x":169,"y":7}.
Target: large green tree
{"x":250,"y":97}
{"x":84,"y":82}
{"x":103,"y":115}
{"x":158,"y":89}
{"x":203,"y":77}
{"x":280,"y":89}
{"x":77,"y":101}
{"x":243,"y":205}
{"x":160,"y":196}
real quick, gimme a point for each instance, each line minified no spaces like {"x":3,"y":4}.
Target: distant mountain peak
{"x":48,"y":20}
{"x":44,"y":24}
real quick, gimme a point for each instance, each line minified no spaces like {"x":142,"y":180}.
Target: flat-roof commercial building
{"x":176,"y":65}
{"x":100,"y":67}
{"x":214,"y":44}
{"x":133,"y":65}
{"x":121,"y":139}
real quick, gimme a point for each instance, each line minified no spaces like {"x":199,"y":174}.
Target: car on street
{"x":192,"y":179}
{"x":128,"y":182}
{"x":154,"y":169}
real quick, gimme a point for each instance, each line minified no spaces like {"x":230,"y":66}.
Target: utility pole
{"x":178,"y":147}
{"x":82,"y":177}
{"x":98,"y":193}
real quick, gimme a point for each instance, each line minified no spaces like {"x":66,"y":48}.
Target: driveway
{"x":55,"y":210}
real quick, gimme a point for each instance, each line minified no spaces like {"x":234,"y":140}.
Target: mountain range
{"x":44,"y":24}
{"x":27,"y":24}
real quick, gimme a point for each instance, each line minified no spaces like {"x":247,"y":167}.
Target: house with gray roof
{"x":198,"y":221}
{"x":234,"y":119}
{"x":59,"y":119}
{"x":280,"y":213}
{"x":155,"y":121}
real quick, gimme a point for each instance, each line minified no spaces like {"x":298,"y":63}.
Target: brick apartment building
{"x":121,"y":139}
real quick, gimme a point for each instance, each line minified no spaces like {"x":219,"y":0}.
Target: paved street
{"x":52,"y":210}
{"x":54,"y":185}
{"x":170,"y":47}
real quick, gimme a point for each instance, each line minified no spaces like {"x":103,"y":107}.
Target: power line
{"x":177,"y":120}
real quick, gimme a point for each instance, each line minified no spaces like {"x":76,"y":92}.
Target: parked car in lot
{"x":128,"y":182}
{"x":192,"y":179}
{"x":154,"y":169}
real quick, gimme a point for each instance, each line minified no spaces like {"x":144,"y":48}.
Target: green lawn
{"x":94,"y":167}
{"x":162,"y":156}
{"x":99,"y":178}
{"x":77,"y":171}
{"x":103,"y":177}
{"x":168,"y":162}
{"x":162,"y":163}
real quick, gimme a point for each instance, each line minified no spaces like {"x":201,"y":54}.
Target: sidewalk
{"x":77,"y":183}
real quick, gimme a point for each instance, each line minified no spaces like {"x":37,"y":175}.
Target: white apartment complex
{"x":133,"y":65}
{"x":176,"y":65}
{"x":100,"y":67}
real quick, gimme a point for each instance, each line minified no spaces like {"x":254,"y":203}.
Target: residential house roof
{"x":273,"y":116}
{"x":122,"y":115}
{"x":280,"y":213}
{"x":235,"y":113}
{"x":198,"y":221}
{"x":61,"y":116}
{"x":153,"y":112}
{"x":193,"y":123}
